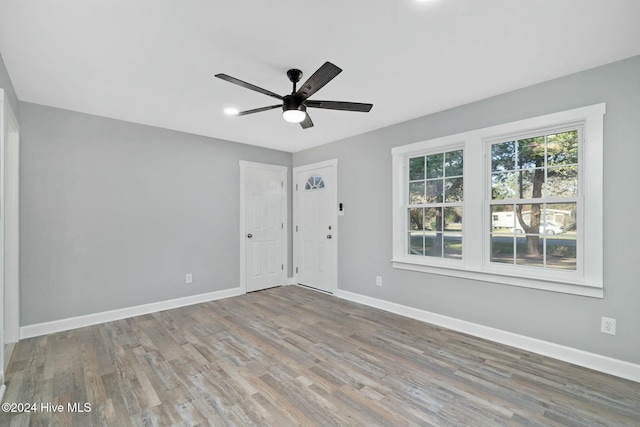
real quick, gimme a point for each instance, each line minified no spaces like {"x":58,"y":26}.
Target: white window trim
{"x":474,"y":264}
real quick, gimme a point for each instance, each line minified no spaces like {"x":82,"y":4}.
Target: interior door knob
{"x":249,"y":235}
{"x":328,"y":236}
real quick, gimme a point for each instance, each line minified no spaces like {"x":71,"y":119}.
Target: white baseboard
{"x":619,"y":368}
{"x":291,"y":281}
{"x":2,"y":390}
{"x":54,"y":326}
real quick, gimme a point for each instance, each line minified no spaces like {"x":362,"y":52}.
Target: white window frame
{"x":587,"y":280}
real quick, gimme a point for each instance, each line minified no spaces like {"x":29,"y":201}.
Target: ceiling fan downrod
{"x":294,"y":76}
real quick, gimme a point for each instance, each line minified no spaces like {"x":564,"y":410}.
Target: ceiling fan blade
{"x":321,"y":77}
{"x":339,"y":105}
{"x":306,"y":123}
{"x":258,"y":110}
{"x":247,"y":85}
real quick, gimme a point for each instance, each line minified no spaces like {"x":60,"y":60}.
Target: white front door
{"x":263,"y":229}
{"x":315,"y":230}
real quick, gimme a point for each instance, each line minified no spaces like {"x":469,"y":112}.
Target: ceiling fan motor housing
{"x":291,"y":102}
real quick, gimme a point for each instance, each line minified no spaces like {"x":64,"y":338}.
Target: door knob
{"x":328,"y":236}
{"x":249,"y":235}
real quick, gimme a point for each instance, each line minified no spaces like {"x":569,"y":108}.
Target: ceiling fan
{"x":294,"y":106}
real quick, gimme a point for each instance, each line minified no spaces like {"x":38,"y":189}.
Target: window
{"x":314,"y":182}
{"x":534,"y":199}
{"x":434,"y":205}
{"x":524,"y":217}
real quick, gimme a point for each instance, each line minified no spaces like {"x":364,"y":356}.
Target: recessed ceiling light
{"x":231,"y":111}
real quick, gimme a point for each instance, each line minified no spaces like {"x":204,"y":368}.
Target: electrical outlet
{"x":608,"y":326}
{"x":378,"y":280}
{"x":188,"y":278}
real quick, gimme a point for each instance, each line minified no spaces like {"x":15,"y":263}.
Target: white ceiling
{"x":153,"y":61}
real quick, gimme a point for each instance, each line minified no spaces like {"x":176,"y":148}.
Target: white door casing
{"x":3,"y":133}
{"x":12,"y":228}
{"x":9,"y":241}
{"x":315,"y":225}
{"x":263,"y":225}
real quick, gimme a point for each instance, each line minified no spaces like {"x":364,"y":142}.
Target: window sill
{"x":546,"y":284}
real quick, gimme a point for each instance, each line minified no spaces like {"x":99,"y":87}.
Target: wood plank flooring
{"x":291,"y":356}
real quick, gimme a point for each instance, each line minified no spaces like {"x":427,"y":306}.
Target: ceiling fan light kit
{"x":294,"y":115}
{"x":294,"y":106}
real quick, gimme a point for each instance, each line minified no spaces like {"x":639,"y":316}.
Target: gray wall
{"x":113,"y":214}
{"x":365,"y":246}
{"x":5,"y":83}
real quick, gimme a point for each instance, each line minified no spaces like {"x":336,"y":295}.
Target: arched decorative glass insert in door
{"x":314,"y":182}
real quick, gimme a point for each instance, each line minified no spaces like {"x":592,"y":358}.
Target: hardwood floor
{"x":292,"y":356}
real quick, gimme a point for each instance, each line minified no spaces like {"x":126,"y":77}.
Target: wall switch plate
{"x":378,"y":280}
{"x":608,"y":326}
{"x":188,"y":278}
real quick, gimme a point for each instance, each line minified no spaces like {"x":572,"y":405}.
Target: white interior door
{"x":315,"y":230}
{"x":263,"y":231}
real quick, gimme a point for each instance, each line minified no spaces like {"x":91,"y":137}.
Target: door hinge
{"x":282,"y":184}
{"x":282,"y":267}
{"x":282,"y":225}
{"x":296,"y":187}
{"x":296,"y":270}
{"x":296,"y":228}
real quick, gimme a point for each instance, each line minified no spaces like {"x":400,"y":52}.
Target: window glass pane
{"x":528,"y":218}
{"x":529,"y":251}
{"x":531,"y":153}
{"x":503,"y":185}
{"x":503,"y":156}
{"x":562,"y":148}
{"x":561,"y":236}
{"x":314,"y":182}
{"x":502,"y":249}
{"x":434,"y":191}
{"x":416,"y":168}
{"x":530,"y":183}
{"x":416,"y":193}
{"x":562,"y":215}
{"x":453,"y":163}
{"x":433,"y":219}
{"x":502,"y":218}
{"x":562,"y":181}
{"x":453,"y":246}
{"x":453,"y":232}
{"x":433,"y":235}
{"x":561,"y":252}
{"x":416,"y":218}
{"x":453,"y":190}
{"x":434,"y":165}
{"x":416,"y":243}
{"x":453,"y":218}
{"x":433,"y":244}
